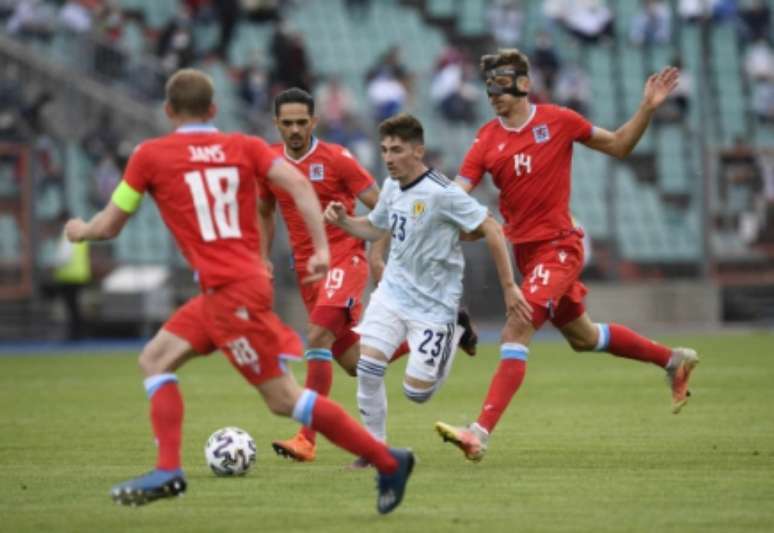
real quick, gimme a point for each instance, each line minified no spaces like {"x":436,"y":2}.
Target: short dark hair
{"x":294,"y":95}
{"x":403,"y":126}
{"x":190,"y":92}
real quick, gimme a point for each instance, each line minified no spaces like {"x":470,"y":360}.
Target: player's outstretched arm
{"x":286,"y":176}
{"x":360,"y":227}
{"x":105,"y":225}
{"x":621,"y":142}
{"x":515,"y":303}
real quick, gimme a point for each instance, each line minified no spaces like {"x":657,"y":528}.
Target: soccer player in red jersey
{"x":205,"y":184}
{"x":527,"y":149}
{"x":334,"y":304}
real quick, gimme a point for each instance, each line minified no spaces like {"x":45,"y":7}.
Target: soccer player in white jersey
{"x":420,"y":290}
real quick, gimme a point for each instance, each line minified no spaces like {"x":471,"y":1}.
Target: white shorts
{"x":433,"y":345}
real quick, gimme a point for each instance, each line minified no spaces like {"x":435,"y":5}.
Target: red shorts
{"x":551,"y":270}
{"x":238,"y":319}
{"x":342,"y":289}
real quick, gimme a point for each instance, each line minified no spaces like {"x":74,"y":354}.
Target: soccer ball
{"x":230,"y":451}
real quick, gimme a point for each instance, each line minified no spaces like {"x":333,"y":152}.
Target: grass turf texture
{"x":589,"y":444}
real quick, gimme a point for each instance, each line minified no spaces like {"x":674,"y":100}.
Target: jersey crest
{"x":541,"y":133}
{"x":316,"y":172}
{"x":418,"y":208}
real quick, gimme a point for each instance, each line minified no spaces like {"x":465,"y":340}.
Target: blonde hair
{"x":190,"y":92}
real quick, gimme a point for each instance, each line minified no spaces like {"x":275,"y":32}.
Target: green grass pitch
{"x":588,"y":444}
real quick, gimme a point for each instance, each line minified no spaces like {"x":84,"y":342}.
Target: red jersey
{"x":335,"y":176}
{"x":205,"y":185}
{"x":531,"y":167}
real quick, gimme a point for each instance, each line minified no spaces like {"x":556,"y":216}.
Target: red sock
{"x":626,"y":343}
{"x":166,"y":414}
{"x":400,"y":351}
{"x":505,"y":382}
{"x":341,"y":429}
{"x":319,"y":378}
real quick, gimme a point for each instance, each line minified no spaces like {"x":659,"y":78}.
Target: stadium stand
{"x":653,"y":217}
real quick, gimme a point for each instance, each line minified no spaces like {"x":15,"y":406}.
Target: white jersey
{"x":423,"y":278}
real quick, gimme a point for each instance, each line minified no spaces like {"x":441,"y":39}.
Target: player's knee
{"x":280,"y":405}
{"x":582,"y":344}
{"x":418,"y":394}
{"x":320,"y":337}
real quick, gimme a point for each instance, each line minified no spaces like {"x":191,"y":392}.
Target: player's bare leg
{"x":164,"y":354}
{"x":584,"y":335}
{"x":302,"y":446}
{"x":284,"y":397}
{"x":473,"y":439}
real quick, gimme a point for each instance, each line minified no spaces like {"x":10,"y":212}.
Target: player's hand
{"x":317,"y":266}
{"x":75,"y":229}
{"x":517,"y":305}
{"x":659,"y":86}
{"x":335,"y":213}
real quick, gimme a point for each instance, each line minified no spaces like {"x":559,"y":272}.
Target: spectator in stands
{"x":290,"y":60}
{"x":261,"y":11}
{"x":32,"y":18}
{"x":763,"y":100}
{"x":102,"y":138}
{"x":589,"y":20}
{"x":652,"y":23}
{"x":545,"y":59}
{"x":334,"y":101}
{"x":227,"y":12}
{"x":388,"y":85}
{"x":754,"y":20}
{"x":390,"y":65}
{"x":695,"y":10}
{"x":105,"y":178}
{"x":759,"y":60}
{"x":76,"y":16}
{"x":176,"y":43}
{"x":506,"y":19}
{"x":573,"y":89}
{"x":254,"y":88}
{"x":759,"y":68}
{"x":675,"y":108}
{"x":452,"y":89}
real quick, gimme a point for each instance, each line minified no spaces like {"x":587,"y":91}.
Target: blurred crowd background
{"x":81,"y":82}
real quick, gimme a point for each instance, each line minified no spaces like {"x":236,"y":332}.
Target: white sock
{"x":372,"y":395}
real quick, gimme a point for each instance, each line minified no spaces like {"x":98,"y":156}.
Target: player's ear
{"x":314,"y":121}
{"x":419,"y":150}
{"x":523,"y":83}
{"x":168,"y":110}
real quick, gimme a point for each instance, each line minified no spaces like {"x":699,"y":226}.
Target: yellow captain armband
{"x":126,"y":198}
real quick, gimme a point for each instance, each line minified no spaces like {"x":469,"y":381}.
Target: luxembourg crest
{"x":316,"y":172}
{"x":417,"y":208}
{"x":541,"y":133}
